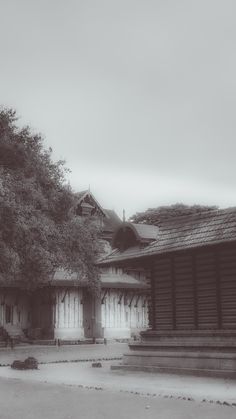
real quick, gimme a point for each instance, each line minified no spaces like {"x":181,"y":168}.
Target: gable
{"x":86,"y":201}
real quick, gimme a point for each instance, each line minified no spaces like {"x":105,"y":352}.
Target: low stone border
{"x":72,"y":360}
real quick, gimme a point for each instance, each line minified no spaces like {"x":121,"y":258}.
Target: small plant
{"x":96,"y":365}
{"x":29,"y":363}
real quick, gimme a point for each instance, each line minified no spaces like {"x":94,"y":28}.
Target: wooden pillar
{"x":195,"y":296}
{"x":173,"y":296}
{"x":218,"y":289}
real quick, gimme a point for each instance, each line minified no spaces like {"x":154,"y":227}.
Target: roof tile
{"x":184,"y":232}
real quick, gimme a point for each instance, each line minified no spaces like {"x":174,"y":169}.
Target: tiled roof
{"x":65,"y":278}
{"x":185,"y":232}
{"x":81,"y":194}
{"x":111,"y":221}
{"x":108,"y":280}
{"x":145,"y":231}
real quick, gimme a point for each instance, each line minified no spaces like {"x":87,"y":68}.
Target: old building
{"x":192,"y":265}
{"x":65,"y":309}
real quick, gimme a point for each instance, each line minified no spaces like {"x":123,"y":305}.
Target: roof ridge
{"x":200,"y":214}
{"x":188,"y":232}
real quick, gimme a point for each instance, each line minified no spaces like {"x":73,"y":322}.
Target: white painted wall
{"x":121,"y":320}
{"x":68,"y":314}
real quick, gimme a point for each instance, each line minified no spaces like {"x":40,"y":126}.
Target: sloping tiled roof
{"x":145,"y":231}
{"x":185,"y":232}
{"x":142,"y":233}
{"x":81,"y":194}
{"x":111,"y":221}
{"x":64,"y":278}
{"x":108,"y":280}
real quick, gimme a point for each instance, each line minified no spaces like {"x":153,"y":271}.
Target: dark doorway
{"x":9,"y":314}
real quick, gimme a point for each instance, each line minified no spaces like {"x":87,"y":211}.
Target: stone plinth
{"x":197,"y":352}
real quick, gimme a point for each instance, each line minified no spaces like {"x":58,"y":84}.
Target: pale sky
{"x":138,"y":96}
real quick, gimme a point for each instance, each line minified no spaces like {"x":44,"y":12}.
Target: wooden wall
{"x":195,"y":290}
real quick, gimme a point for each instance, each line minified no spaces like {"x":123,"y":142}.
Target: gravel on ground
{"x":33,"y":400}
{"x":210,"y":390}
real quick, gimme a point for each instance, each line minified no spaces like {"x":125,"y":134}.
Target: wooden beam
{"x":120,"y":298}
{"x":137,"y":300}
{"x":104,"y":295}
{"x":144,"y":302}
{"x":131,"y":300}
{"x":64,"y":296}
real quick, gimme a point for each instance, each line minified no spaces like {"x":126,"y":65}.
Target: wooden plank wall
{"x":206,"y":291}
{"x":195,"y":290}
{"x":163,"y":310}
{"x":228,"y":288}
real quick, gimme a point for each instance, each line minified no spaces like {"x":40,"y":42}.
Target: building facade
{"x":64,"y":308}
{"x":192,"y":266}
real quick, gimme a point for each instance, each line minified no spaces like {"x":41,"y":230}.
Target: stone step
{"x":182,"y":354}
{"x":191,"y":344}
{"x":177,"y":370}
{"x":14,"y":332}
{"x":182,"y":359}
{"x":149,"y":335}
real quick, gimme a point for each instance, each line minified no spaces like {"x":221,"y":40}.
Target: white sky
{"x":139,"y":96}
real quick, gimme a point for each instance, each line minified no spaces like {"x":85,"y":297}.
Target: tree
{"x":39,"y":231}
{"x":161,"y":214}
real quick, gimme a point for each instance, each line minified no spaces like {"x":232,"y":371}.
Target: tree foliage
{"x":39,"y":231}
{"x":158,"y":215}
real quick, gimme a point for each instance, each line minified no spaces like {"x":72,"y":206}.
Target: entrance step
{"x":199,"y":361}
{"x":202,"y":352}
{"x":15,"y":333}
{"x":177,"y":370}
{"x":2,"y":338}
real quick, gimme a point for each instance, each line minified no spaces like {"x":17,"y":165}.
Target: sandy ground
{"x":30,"y":400}
{"x":69,"y":390}
{"x":164,"y":385}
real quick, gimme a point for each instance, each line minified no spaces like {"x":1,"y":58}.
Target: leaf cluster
{"x":39,"y":231}
{"x":156,"y":216}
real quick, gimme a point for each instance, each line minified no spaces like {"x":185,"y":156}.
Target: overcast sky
{"x":139,"y":96}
